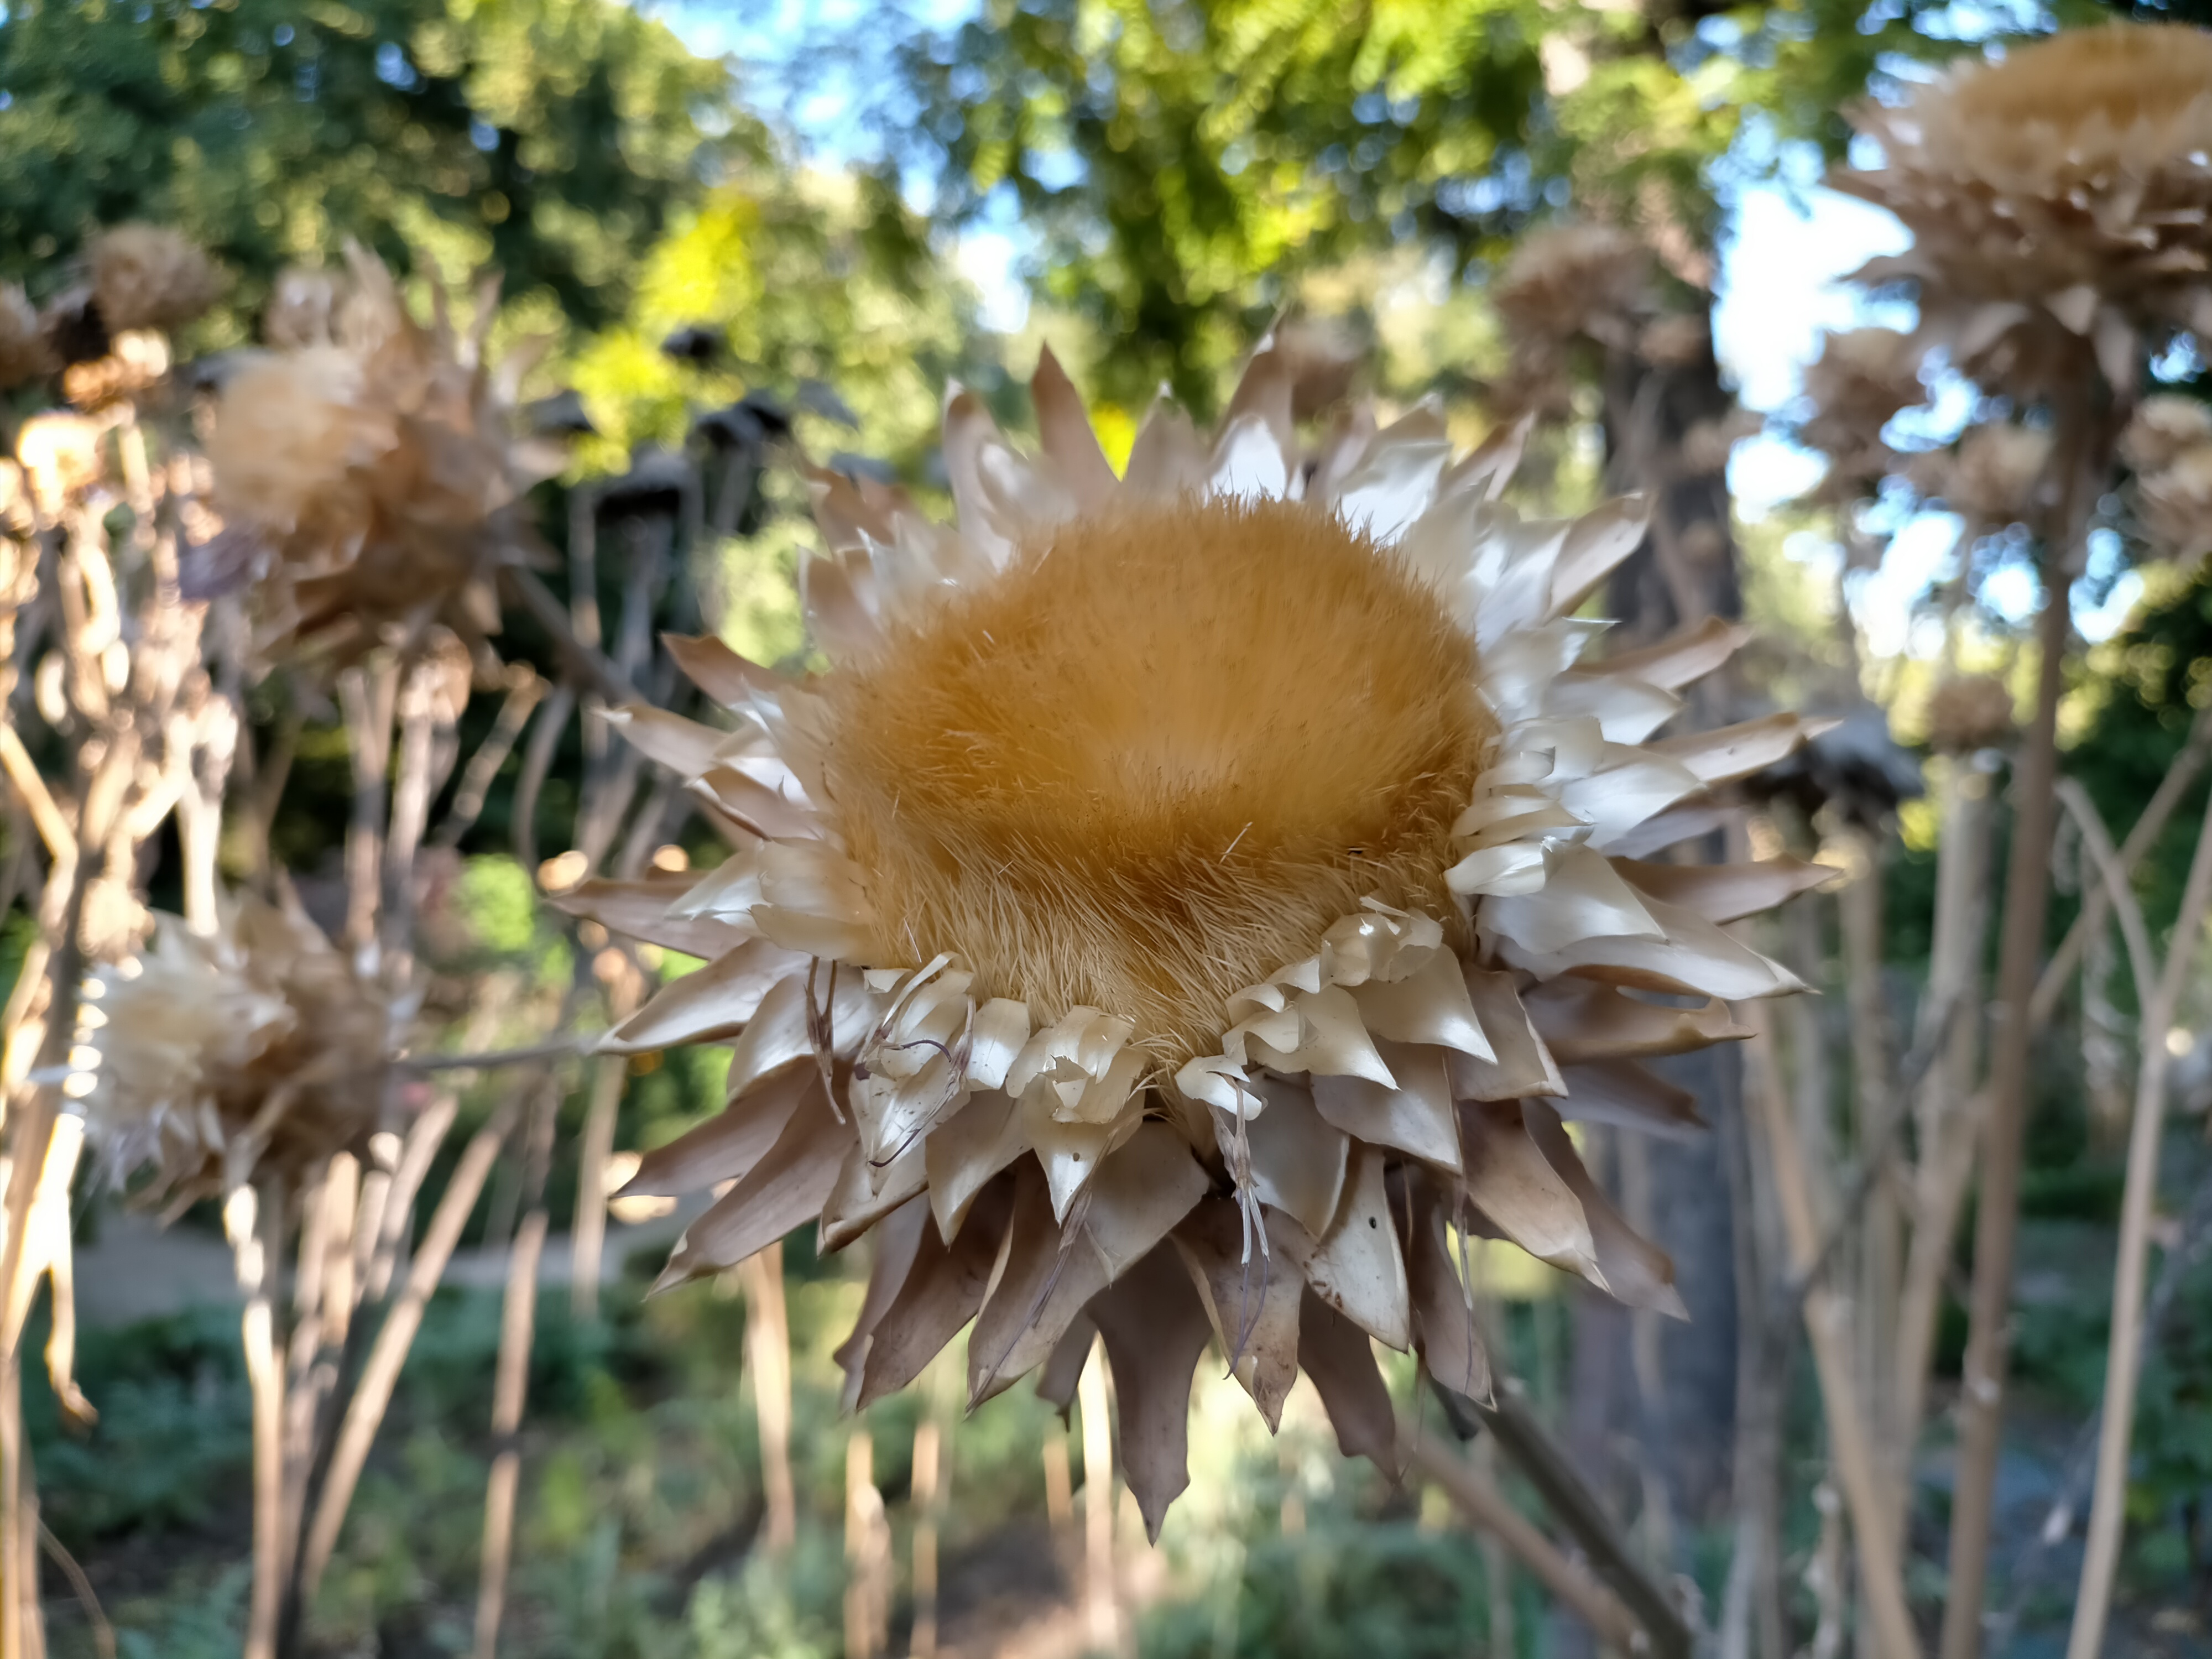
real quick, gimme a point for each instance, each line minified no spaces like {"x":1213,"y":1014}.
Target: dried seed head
{"x":1969,"y":713}
{"x":151,"y":276}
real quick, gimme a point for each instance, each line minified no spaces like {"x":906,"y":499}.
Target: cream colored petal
{"x":1396,"y":479}
{"x":1695,"y":959}
{"x":1627,"y":794}
{"x":1524,"y":1063}
{"x":1416,"y":1117}
{"x":1065,"y":431}
{"x":1635,"y":1271}
{"x":1628,"y":710}
{"x":1726,"y":892}
{"x":1218,"y":1081}
{"x":1737,"y":752}
{"x":684,"y":747}
{"x":776,"y":1036}
{"x":727,"y":677}
{"x":798,"y":723}
{"x":1168,"y":458}
{"x":1263,"y":397}
{"x":1502,"y":871}
{"x":1002,"y":1027}
{"x":852,"y":512}
{"x":1331,"y":1039}
{"x":815,"y":878}
{"x":1581,"y":1020}
{"x":1351,"y":430}
{"x":728,"y":892}
{"x":1142,"y":1190}
{"x":1252,"y":1302}
{"x":1486,"y":469}
{"x":1512,"y":813}
{"x":1377,"y":943}
{"x":642,"y":911}
{"x":1627,"y":1096}
{"x":1430,"y":1006}
{"x":761,"y":794}
{"x":1516,"y":674}
{"x":837,"y":618}
{"x":1682,"y":657}
{"x":1582,"y":899}
{"x":1068,"y":1153}
{"x":1298,"y":1156}
{"x":815,"y":935}
{"x":1671,"y":829}
{"x":1249,"y":461}
{"x":1510,"y":1181}
{"x":960,"y":1154}
{"x":1356,"y":1265}
{"x":712,"y":1002}
{"x":1594,"y":544}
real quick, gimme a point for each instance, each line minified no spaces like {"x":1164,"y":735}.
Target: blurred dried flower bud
{"x":1675,"y":342}
{"x":257,"y":1049}
{"x":2060,"y":202}
{"x":1995,"y":476}
{"x":1860,"y":379}
{"x":1707,"y":445}
{"x":136,"y":363}
{"x":24,"y":352}
{"x":1565,"y":282}
{"x":151,"y":276}
{"x":2163,"y":427}
{"x":1968,"y":713}
{"x":2177,"y":504}
{"x":1324,"y":356}
{"x":303,"y":304}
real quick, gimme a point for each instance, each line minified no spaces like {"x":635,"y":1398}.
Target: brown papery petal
{"x":728,"y":678}
{"x":1524,"y":1066}
{"x":1415,"y":1117}
{"x":898,"y":1240}
{"x":1043,"y":1279}
{"x":1253,"y":1302}
{"x":864,"y":1194}
{"x":1689,"y":654}
{"x":727,"y":1146}
{"x":1356,"y":1266}
{"x":1582,"y":1021}
{"x":943,"y":1290}
{"x":1510,"y":1181}
{"x":965,"y":1150}
{"x":1443,"y":1324}
{"x":712,"y":1003}
{"x":1725,"y":892}
{"x":1626,"y":1095}
{"x":1636,"y":1270}
{"x":787,"y":1188}
{"x":1155,"y":1330}
{"x":1298,"y":1156}
{"x":639,"y":910}
{"x":1335,"y":1354}
{"x":1142,"y":1190}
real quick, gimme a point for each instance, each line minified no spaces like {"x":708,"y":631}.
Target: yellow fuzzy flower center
{"x":1155,"y":758}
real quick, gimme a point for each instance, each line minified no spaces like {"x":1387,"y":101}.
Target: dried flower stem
{"x":588,"y":1232}
{"x":2083,"y":455}
{"x":525,"y":690}
{"x":1573,"y":1584}
{"x":367,"y":695}
{"x":1102,"y":1613}
{"x":252,"y":1226}
{"x":518,"y":1316}
{"x":374,"y":1395}
{"x":768,"y":1357}
{"x":2108,"y":1512}
{"x":1828,"y":1325}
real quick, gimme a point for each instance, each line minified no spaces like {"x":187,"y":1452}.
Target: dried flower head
{"x":1995,"y":477}
{"x":1969,"y":713}
{"x":134,"y":364}
{"x":1675,"y":341}
{"x":379,"y":474}
{"x":1570,"y":282}
{"x":1194,"y":892}
{"x":258,"y":1050}
{"x":151,"y":276}
{"x":2162,"y":430}
{"x":2058,"y":200}
{"x":1860,"y":379}
{"x":303,"y":303}
{"x":24,"y":352}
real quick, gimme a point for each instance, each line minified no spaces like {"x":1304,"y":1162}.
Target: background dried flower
{"x":2162,"y":429}
{"x":256,"y":1050}
{"x":1860,"y":379}
{"x":1995,"y":476}
{"x":136,"y":363}
{"x":1969,"y":712}
{"x":303,"y":305}
{"x":1566,"y":282}
{"x":24,"y":352}
{"x":151,"y":276}
{"x":380,"y":470}
{"x":2058,"y":202}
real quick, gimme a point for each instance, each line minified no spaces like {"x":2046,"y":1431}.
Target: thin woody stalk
{"x":2085,"y":452}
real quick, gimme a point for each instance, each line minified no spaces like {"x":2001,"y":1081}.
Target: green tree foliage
{"x":554,"y":137}
{"x":1184,"y":159}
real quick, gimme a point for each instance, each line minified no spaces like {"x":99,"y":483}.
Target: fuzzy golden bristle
{"x":1155,"y":759}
